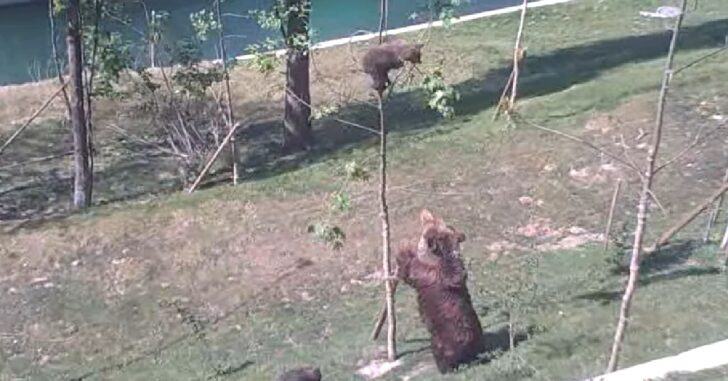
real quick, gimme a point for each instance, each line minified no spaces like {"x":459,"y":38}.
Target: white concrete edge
{"x":701,"y":358}
{"x":418,"y":27}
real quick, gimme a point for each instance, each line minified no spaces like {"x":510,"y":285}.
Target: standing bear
{"x":433,"y":267}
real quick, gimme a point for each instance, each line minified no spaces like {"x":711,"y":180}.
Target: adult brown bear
{"x":433,"y":267}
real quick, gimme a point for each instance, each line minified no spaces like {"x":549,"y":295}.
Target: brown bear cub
{"x":301,"y":374}
{"x":380,"y":59}
{"x":435,"y":270}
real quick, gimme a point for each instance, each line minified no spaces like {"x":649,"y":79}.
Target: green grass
{"x":679,"y":306}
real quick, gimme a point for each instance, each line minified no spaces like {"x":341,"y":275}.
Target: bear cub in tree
{"x":435,"y":270}
{"x":301,"y":374}
{"x":381,"y":59}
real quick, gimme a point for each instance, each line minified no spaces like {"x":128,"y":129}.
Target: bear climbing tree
{"x":433,"y":267}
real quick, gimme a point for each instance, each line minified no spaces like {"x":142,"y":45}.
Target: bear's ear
{"x":419,"y":46}
{"x":426,"y":217}
{"x":460,"y":237}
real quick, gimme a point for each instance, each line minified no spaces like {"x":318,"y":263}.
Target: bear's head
{"x":438,"y":240}
{"x":413,"y":53}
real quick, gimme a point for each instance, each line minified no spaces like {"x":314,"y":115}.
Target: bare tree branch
{"x":228,"y":94}
{"x":634,"y":267}
{"x":517,"y":117}
{"x":32,"y":118}
{"x":687,"y":218}
{"x":342,"y":121}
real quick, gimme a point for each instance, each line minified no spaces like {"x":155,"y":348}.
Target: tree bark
{"x":82,"y":183}
{"x":383,"y":15}
{"x":54,"y":53}
{"x":634,"y":266}
{"x":518,"y":55}
{"x":230,"y":116}
{"x":297,"y":134}
{"x":386,"y":257}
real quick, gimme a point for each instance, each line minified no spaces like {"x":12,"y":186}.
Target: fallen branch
{"x":35,"y":160}
{"x":382,"y":317}
{"x":32,"y":118}
{"x":687,"y":218}
{"x":213,"y":158}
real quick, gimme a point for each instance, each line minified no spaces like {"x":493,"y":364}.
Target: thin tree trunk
{"x":382,"y":317}
{"x":383,"y":15}
{"x":54,"y":52}
{"x":89,"y":92}
{"x":228,"y":94}
{"x":518,"y":55}
{"x":714,"y":214}
{"x":297,"y":134}
{"x":152,"y":55}
{"x":608,"y":230}
{"x":634,"y":267}
{"x":82,"y":170}
{"x":724,"y":246}
{"x":386,"y":260}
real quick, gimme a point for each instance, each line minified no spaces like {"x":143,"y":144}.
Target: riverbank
{"x":26,"y":29}
{"x":34,"y":94}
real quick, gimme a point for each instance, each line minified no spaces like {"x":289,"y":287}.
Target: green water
{"x":25,"y":43}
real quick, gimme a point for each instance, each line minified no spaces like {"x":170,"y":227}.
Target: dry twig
{"x":32,"y":118}
{"x":608,"y":230}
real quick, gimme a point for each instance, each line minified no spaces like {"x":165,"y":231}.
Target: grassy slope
{"x":682,"y":305}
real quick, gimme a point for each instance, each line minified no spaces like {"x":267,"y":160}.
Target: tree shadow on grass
{"x":670,"y":263}
{"x":500,"y":341}
{"x":405,"y":113}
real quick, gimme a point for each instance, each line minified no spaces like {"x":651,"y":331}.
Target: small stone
{"x":525,"y":200}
